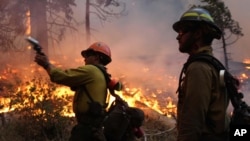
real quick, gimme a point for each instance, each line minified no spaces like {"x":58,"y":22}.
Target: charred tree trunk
{"x":87,"y":24}
{"x":38,"y":22}
{"x":225,"y":52}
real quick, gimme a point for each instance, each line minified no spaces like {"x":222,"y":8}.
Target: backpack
{"x":122,"y":122}
{"x":241,"y":111}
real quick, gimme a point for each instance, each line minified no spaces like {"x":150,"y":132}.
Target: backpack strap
{"x":226,"y":79}
{"x":105,"y":73}
{"x":213,"y":61}
{"x":107,"y":77}
{"x":205,"y":58}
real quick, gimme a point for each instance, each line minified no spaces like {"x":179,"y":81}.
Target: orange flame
{"x":132,"y":96}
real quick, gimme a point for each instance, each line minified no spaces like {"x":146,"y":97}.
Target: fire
{"x":61,"y":92}
{"x":171,"y":108}
{"x":3,"y":103}
{"x":135,"y":95}
{"x":39,"y":88}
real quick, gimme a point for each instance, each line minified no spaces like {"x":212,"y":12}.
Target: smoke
{"x":143,"y":43}
{"x":240,"y":50}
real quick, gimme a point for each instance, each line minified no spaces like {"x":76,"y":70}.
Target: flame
{"x":67,"y":109}
{"x":130,"y":95}
{"x":171,"y":108}
{"x":3,"y":103}
{"x":133,"y":96}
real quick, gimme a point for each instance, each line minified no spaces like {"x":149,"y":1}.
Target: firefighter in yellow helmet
{"x":88,"y":82}
{"x":202,"y":103}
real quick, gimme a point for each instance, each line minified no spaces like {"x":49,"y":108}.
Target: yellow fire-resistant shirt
{"x":89,"y":76}
{"x":202,"y":105}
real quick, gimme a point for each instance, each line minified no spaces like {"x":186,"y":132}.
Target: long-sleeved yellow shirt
{"x":89,"y":76}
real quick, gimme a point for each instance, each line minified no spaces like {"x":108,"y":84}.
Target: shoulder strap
{"x":229,"y":81}
{"x":107,"y":77}
{"x":105,"y":73}
{"x":206,"y":58}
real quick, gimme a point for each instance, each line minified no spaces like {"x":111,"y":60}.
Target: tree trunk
{"x":38,"y":22}
{"x":87,"y":24}
{"x":225,"y":52}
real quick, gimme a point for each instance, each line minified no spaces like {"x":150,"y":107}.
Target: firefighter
{"x":87,"y":81}
{"x":202,"y":104}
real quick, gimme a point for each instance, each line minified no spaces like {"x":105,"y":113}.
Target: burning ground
{"x":26,"y":91}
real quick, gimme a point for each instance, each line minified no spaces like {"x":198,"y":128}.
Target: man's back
{"x":202,"y":103}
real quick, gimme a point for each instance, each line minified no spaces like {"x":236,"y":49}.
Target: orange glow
{"x":243,"y":75}
{"x":28,"y":31}
{"x":134,"y":96}
{"x":246,"y":61}
{"x":4,"y":102}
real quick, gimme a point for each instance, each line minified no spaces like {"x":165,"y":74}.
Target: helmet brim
{"x":83,"y":53}
{"x":176,"y":26}
{"x":105,"y":59}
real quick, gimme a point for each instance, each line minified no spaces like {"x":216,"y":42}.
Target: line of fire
{"x":13,"y":81}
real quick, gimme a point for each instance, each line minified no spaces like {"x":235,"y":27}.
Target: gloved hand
{"x":42,"y":60}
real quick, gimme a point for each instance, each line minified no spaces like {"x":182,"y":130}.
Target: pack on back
{"x":122,"y":122}
{"x":241,"y":112}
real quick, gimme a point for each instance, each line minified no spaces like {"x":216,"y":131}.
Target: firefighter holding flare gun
{"x":87,"y":81}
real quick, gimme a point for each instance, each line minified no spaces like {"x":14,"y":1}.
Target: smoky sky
{"x":143,"y":43}
{"x":240,"y":50}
